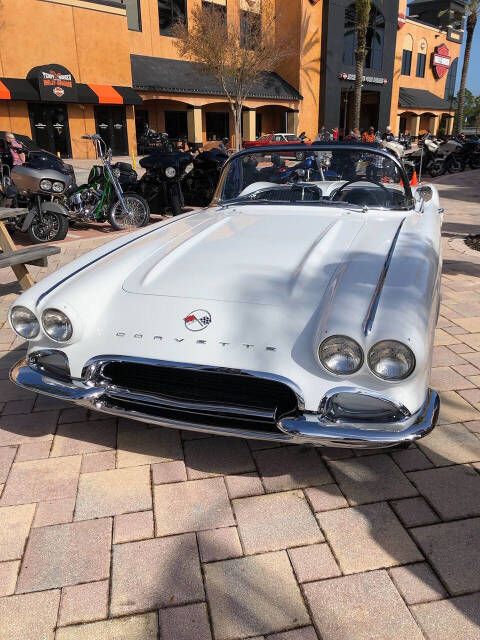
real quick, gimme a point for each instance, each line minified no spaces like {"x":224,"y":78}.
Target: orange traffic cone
{"x":414,"y":180}
{"x":401,"y":182}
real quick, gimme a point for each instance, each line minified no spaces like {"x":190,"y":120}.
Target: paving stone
{"x":460,"y":348}
{"x":467,"y":370}
{"x":133,"y":526}
{"x":199,"y":505}
{"x":54,"y":512}
{"x":417,"y":583}
{"x":185,"y":623}
{"x":451,"y":444}
{"x":217,"y":456}
{"x":8,"y":577}
{"x":7,"y":454}
{"x":146,"y":446}
{"x":142,"y":627}
{"x":275,"y":521}
{"x":254,"y":595}
{"x":305,"y":633}
{"x":219,"y":544}
{"x":73,"y":414}
{"x":411,"y":460}
{"x":33,"y":451}
{"x":371,"y":479}
{"x":471,"y":395}
{"x":18,"y":406}
{"x":46,"y":403}
{"x":291,"y":468}
{"x":444,"y":338}
{"x":29,"y":617}
{"x":326,"y":498}
{"x":446,"y":379}
{"x":457,"y":618}
{"x":39,"y":480}
{"x":169,"y":472}
{"x":102,"y":461}
{"x":335,"y":453}
{"x":363,"y":607}
{"x":66,"y":554}
{"x":155,"y":573}
{"x":444,"y":357}
{"x":472,"y":339}
{"x":453,"y":408}
{"x":473,"y":358}
{"x":414,"y":512}
{"x":15,"y":525}
{"x":83,"y":603}
{"x":315,"y":562}
{"x":27,"y":428}
{"x":453,"y":549}
{"x":244,"y":485}
{"x":108,"y":493}
{"x":367,"y":537}
{"x":84,"y":437}
{"x":454,"y":492}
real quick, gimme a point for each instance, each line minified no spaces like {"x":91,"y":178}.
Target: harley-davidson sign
{"x":54,"y":82}
{"x":402,"y":19}
{"x":441,"y":61}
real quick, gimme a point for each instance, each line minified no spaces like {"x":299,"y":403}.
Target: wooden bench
{"x":18,"y":258}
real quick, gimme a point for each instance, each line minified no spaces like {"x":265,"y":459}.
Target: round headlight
{"x":56,"y":325}
{"x":46,"y":185}
{"x":117,"y":172}
{"x":391,"y":360}
{"x":340,"y":355}
{"x":170,"y":172}
{"x":24,"y":322}
{"x":57,"y":187}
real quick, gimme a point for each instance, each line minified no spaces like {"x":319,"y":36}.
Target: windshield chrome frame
{"x":279,"y":148}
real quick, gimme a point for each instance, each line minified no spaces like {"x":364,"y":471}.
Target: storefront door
{"x":49,"y":124}
{"x":111,"y":124}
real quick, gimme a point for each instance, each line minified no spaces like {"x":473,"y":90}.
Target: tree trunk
{"x":357,"y":95}
{"x":237,"y":119}
{"x":362,"y":18}
{"x":471,"y":23}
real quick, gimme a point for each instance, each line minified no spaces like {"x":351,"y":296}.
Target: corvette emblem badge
{"x":198,"y":320}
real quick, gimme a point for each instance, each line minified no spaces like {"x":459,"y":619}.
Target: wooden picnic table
{"x":18,"y":258}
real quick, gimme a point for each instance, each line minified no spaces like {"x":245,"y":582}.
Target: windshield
{"x":319,"y":174}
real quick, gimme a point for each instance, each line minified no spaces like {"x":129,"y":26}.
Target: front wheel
{"x":455,"y":165}
{"x":176,"y":204}
{"x":138,"y":213}
{"x":51,"y":227}
{"x":436,"y":168}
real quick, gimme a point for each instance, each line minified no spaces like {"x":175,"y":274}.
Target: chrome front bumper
{"x":308,"y":428}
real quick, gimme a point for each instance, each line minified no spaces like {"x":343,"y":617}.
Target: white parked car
{"x":299,"y":307}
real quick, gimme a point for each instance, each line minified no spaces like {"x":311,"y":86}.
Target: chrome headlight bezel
{"x":170,"y":172}
{"x":57,"y":186}
{"x":52,"y":316}
{"x":391,"y":349}
{"x":30,"y":317}
{"x":45,"y":185}
{"x":351,"y":346}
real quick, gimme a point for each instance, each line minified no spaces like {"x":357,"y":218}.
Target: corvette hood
{"x":263,"y":258}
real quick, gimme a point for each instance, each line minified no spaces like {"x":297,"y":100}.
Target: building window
{"x":134,"y":19}
{"x":406,"y":62}
{"x":421,"y":62}
{"x":375,"y":38}
{"x":250,"y":21}
{"x":170,"y":12}
{"x":451,"y":81}
{"x":217,"y":125}
{"x":217,"y":5}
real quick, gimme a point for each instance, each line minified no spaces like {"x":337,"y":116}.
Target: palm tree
{"x":473,"y":11}
{"x":362,"y":18}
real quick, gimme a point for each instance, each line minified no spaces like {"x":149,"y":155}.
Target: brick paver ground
{"x":113,"y":530}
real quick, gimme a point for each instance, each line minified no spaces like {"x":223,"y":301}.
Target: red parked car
{"x":278,"y":138}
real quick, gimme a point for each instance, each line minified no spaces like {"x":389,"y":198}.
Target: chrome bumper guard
{"x":308,"y":428}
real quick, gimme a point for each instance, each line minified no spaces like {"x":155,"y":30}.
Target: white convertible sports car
{"x":299,"y":307}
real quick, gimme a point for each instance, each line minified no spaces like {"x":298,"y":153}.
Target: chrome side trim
{"x":372,"y":309}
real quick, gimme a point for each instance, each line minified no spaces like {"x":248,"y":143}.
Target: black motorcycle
{"x":199,"y":184}
{"x":469,"y":155}
{"x":161,"y":184}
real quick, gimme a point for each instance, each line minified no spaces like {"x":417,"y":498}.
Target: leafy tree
{"x":473,"y":11}
{"x":362,"y":17}
{"x":236,"y":54}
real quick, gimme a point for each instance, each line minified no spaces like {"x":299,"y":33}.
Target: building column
{"x":194,"y":124}
{"x":292,"y":122}
{"x":414,"y":125}
{"x":249,"y":124}
{"x":433,"y":124}
{"x":396,"y":130}
{"x":450,"y":121}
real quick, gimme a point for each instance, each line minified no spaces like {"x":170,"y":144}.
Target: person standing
{"x":388,"y":135}
{"x":16,"y":150}
{"x":368,"y":137}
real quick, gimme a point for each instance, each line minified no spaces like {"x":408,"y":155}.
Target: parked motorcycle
{"x":435,"y":158}
{"x":108,"y":194}
{"x":161,"y":184}
{"x":199,"y":184}
{"x":151,"y":139}
{"x":469,"y":154}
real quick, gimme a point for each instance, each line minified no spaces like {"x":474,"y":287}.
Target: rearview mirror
{"x":425,"y":193}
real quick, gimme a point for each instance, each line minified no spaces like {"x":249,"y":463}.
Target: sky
{"x":473,"y":78}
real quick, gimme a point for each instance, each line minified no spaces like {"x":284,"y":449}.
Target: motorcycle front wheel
{"x":436,"y":169}
{"x":50,"y":228}
{"x":138,"y":213}
{"x":176,"y":204}
{"x":455,"y":165}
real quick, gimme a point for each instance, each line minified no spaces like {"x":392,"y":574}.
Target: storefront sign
{"x":368,"y":79}
{"x":441,"y":61}
{"x":402,"y":20}
{"x":54,"y":83}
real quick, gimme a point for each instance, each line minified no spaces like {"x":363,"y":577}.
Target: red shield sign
{"x":314,"y":1}
{"x":441,"y":61}
{"x":402,"y":19}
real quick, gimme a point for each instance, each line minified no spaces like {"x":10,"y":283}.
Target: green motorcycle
{"x":106,"y":197}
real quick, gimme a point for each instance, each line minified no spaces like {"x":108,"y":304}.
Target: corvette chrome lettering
{"x":140,"y":336}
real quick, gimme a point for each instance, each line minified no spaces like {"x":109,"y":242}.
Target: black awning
{"x":180,"y":76}
{"x":422,"y":99}
{"x":129,"y":95}
{"x":86,"y":95}
{"x":103,"y":94}
{"x":17,"y":89}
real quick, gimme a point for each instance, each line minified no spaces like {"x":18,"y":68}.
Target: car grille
{"x":203,"y":396}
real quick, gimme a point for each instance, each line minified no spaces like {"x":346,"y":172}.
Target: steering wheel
{"x":337,"y":192}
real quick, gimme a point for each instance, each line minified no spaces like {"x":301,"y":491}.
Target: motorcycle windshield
{"x":165,"y":159}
